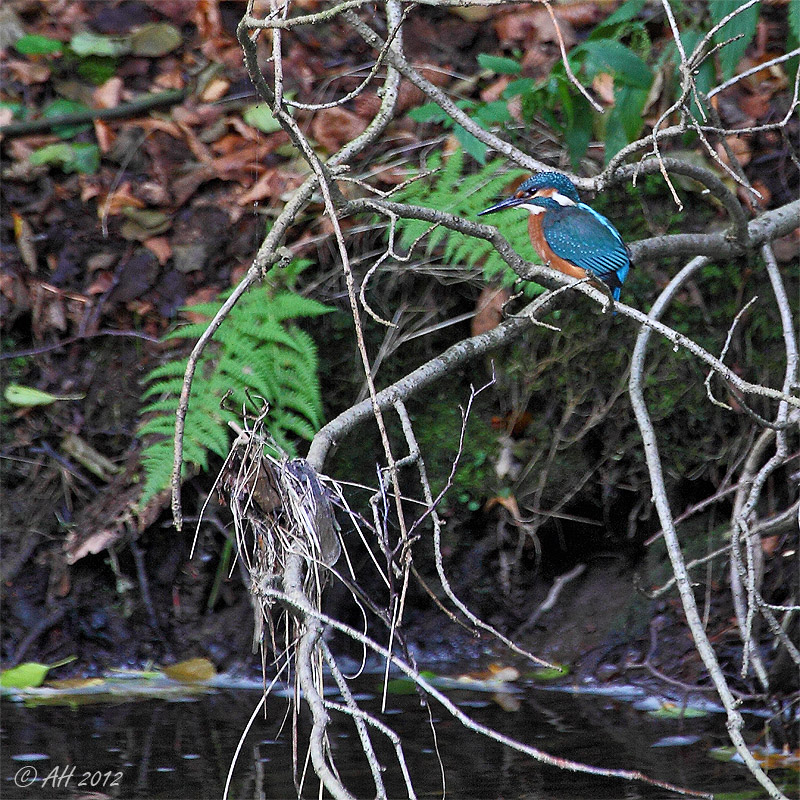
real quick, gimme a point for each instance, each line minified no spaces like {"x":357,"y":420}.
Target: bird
{"x":567,"y":234}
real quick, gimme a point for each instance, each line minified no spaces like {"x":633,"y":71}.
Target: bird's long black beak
{"x":509,"y":202}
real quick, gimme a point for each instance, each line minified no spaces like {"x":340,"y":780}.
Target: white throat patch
{"x":534,"y":209}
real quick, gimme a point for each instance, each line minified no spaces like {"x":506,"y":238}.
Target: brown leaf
{"x":23,"y":233}
{"x":580,"y":15}
{"x":533,"y":25}
{"x":159,"y":246}
{"x":216,"y":89}
{"x":205,"y":295}
{"x":494,"y":91}
{"x":755,"y":106}
{"x":603,"y":84}
{"x":105,"y":135}
{"x":108,"y":95}
{"x":740,"y":147}
{"x":335,"y":127}
{"x":122,"y":198}
{"x":101,"y":284}
{"x":769,"y":544}
{"x":27,"y":72}
{"x":489,"y":310}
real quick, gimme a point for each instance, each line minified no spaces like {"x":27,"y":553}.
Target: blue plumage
{"x":568,"y":234}
{"x":583,"y":237}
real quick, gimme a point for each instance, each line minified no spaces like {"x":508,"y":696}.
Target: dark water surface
{"x":159,"y":749}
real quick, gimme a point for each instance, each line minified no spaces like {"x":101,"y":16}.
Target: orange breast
{"x":545,"y":253}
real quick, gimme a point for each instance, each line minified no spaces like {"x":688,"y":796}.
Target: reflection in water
{"x":183,"y":749}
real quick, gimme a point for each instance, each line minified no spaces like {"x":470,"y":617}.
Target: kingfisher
{"x":567,"y":234}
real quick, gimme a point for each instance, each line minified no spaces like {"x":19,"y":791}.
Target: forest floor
{"x":111,"y":226}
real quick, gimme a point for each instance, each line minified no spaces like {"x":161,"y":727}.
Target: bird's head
{"x":539,"y":192}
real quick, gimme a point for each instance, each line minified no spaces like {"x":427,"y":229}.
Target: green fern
{"x":257,"y":351}
{"x":465,"y":195}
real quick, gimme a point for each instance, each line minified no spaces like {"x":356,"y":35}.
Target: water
{"x":158,"y":749}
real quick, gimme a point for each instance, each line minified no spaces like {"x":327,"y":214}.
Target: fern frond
{"x":257,"y":350}
{"x":465,"y":195}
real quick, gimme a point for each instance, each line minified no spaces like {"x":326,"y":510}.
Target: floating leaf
{"x":36,"y":45}
{"x":28,"y":397}
{"x":672,"y":711}
{"x":76,"y":683}
{"x":29,"y":674}
{"x":260,"y":116}
{"x":87,"y":43}
{"x":194,"y":670}
{"x":550,"y":673}
{"x":154,"y":40}
{"x":406,"y":685}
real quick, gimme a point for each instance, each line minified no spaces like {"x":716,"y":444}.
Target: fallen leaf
{"x":105,"y":135}
{"x":216,"y":89}
{"x":102,"y":282}
{"x":603,"y":84}
{"x":489,"y":309}
{"x":115,"y":203}
{"x":23,"y":233}
{"x":335,"y":127}
{"x":494,"y":91}
{"x":192,"y":670}
{"x":159,"y":246}
{"x":108,"y":95}
{"x":27,"y":72}
{"x":740,"y":148}
{"x":154,"y":40}
{"x":533,"y":25}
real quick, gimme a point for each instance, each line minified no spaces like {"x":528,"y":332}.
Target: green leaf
{"x":794,"y":19}
{"x":30,"y":674}
{"x":521,"y":86}
{"x":154,"y":40}
{"x":28,"y":397}
{"x":492,"y":113}
{"x":70,"y":156}
{"x":260,"y":116}
{"x":499,"y":64}
{"x":607,"y":55}
{"x":625,"y":120}
{"x":61,"y":106}
{"x":704,"y":77}
{"x":578,"y":128}
{"x":35,"y":45}
{"x":97,"y":69}
{"x":17,"y":109}
{"x":743,"y":25}
{"x":550,"y":673}
{"x":430,"y":112}
{"x":625,"y":13}
{"x":87,"y":43}
{"x":257,"y":349}
{"x":672,"y":711}
{"x":475,"y":147}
